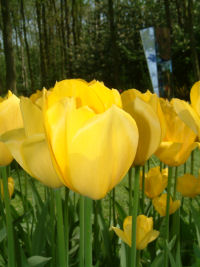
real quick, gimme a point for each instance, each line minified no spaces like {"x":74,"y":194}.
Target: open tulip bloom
{"x":145,"y":232}
{"x":179,"y":140}
{"x":159,"y":204}
{"x":86,"y":141}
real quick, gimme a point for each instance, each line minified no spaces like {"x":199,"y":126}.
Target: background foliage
{"x":57,"y":39}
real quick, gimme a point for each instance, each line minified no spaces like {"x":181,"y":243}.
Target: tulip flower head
{"x":11,"y":185}
{"x":188,"y":185}
{"x":179,"y":139}
{"x":10,"y":118}
{"x":92,"y":140}
{"x":144,"y":231}
{"x":155,"y":182}
{"x":159,"y":204}
{"x":29,"y":147}
{"x":146,"y":111}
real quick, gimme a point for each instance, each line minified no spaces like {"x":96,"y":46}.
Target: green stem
{"x":175,"y":181}
{"x":134,"y":215}
{"x":130,"y":189}
{"x":110,"y":209}
{"x":161,"y":165}
{"x":60,"y":230}
{"x":66,"y":220}
{"x":52,"y":218}
{"x":143,"y":187}
{"x":192,"y":163}
{"x":81,"y":222}
{"x":88,"y":232}
{"x":185,"y":168}
{"x":138,"y":258}
{"x":113,"y":206}
{"x":167,"y":217}
{"x":9,"y":223}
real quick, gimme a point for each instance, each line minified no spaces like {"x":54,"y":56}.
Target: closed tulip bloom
{"x":188,"y":185}
{"x":29,"y":147}
{"x":159,"y":204}
{"x":179,"y":139}
{"x":144,"y":231}
{"x":10,"y":118}
{"x":92,"y":140}
{"x":145,"y":112}
{"x":155,"y":182}
{"x":11,"y":185}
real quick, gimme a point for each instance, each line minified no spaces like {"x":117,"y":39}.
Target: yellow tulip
{"x":144,"y":110}
{"x":188,"y":185}
{"x":195,"y":97}
{"x":10,"y":118}
{"x":179,"y":139}
{"x":155,"y":182}
{"x":144,"y":233}
{"x":187,"y":114}
{"x":92,"y":140}
{"x":11,"y":185}
{"x":29,"y":147}
{"x":159,"y":204}
{"x":37,"y":98}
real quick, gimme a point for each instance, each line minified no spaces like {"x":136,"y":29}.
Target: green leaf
{"x":38,"y":260}
{"x":122,"y":255}
{"x":2,"y":262}
{"x":38,"y":241}
{"x":158,"y":261}
{"x":2,"y":234}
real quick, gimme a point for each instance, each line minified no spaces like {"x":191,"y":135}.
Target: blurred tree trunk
{"x":26,"y":44}
{"x":8,"y":48}
{"x":74,"y":22}
{"x":113,"y":46}
{"x":41,"y":43}
{"x":46,"y":55}
{"x":22,"y":59}
{"x":67,"y":29}
{"x":178,"y":9}
{"x":168,"y":15}
{"x":64,"y":44}
{"x":194,"y":54}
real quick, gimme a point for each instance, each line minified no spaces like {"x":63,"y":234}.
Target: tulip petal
{"x":37,"y":156}
{"x":148,"y":237}
{"x":94,"y":94}
{"x":188,"y":185}
{"x":5,"y":155}
{"x":10,"y":114}
{"x":175,"y":206}
{"x":167,"y":151}
{"x":122,"y":235}
{"x":108,"y":143}
{"x":187,"y":114}
{"x":194,"y":97}
{"x":14,"y":139}
{"x":32,"y":117}
{"x":148,"y":126}
{"x":63,"y":121}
